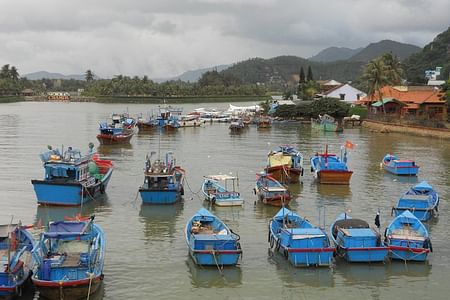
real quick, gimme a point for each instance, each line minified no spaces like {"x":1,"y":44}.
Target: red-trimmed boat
{"x":69,"y":260}
{"x":330,"y":169}
{"x":285,"y":164}
{"x":270,"y":191}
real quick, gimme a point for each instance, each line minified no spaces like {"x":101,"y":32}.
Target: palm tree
{"x":89,"y":76}
{"x":394,"y":71}
{"x":13,"y":73}
{"x":376,"y":75}
{"x":4,"y":72}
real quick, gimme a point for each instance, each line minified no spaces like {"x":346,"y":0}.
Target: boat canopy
{"x":64,"y":228}
{"x":221,"y":177}
{"x":351,"y":223}
{"x":422,"y":187}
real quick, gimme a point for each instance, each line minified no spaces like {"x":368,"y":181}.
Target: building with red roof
{"x":418,"y":101}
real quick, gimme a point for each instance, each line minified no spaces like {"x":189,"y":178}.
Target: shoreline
{"x":378,"y":126}
{"x":139,"y":99}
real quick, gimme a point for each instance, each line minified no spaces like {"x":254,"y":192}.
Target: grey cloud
{"x":163,"y":38}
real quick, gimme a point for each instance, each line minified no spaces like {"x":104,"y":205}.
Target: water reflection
{"x":403,"y":179}
{"x":160,"y":220}
{"x":292,"y":276}
{"x":334,"y":192}
{"x":210,"y":276}
{"x":45,"y":214}
{"x":116,"y":150}
{"x":379,"y":274}
{"x":295,"y":189}
{"x":263,"y":211}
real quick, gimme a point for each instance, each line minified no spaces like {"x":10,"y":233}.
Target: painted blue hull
{"x":68,"y":194}
{"x":313,"y":258}
{"x":409,"y":255}
{"x":401,"y":171}
{"x":210,"y":241}
{"x":375,"y":254}
{"x":214,"y":258}
{"x":159,"y":197}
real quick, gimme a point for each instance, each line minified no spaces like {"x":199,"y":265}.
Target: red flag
{"x":348,"y":144}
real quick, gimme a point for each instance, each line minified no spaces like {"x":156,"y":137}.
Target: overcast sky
{"x":162,"y":38}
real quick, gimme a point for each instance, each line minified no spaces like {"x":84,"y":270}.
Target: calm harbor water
{"x":146,"y":251}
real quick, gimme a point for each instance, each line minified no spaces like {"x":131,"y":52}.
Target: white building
{"x":345,"y":92}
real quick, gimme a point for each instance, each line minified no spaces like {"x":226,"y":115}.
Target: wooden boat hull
{"x":334,"y":177}
{"x":284,"y":174}
{"x":278,"y":201}
{"x":114,"y":139}
{"x":68,"y":194}
{"x":68,"y":290}
{"x":146,"y":127}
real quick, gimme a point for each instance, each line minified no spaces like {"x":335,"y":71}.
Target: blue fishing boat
{"x":163,"y":181}
{"x":71,"y":178}
{"x":210,"y":241}
{"x":330,"y":169}
{"x":119,"y":131}
{"x":69,"y":259}
{"x":396,"y":166}
{"x":407,"y":238}
{"x":298,"y":240}
{"x":221,"y":190}
{"x":356,"y":241}
{"x":270,"y":191}
{"x":422,"y":200}
{"x":16,"y":244}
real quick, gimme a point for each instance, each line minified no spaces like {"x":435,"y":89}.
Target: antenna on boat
{"x":9,"y":245}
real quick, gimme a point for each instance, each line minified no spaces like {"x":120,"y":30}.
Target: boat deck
{"x":406,"y":234}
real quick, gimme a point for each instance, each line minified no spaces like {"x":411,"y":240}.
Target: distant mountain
{"x":374,"y":50}
{"x":49,"y":75}
{"x":334,"y":54}
{"x":193,"y":75}
{"x":285,"y":69}
{"x":435,"y":54}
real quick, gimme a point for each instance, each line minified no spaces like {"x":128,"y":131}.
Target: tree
{"x":13,"y":73}
{"x":4,"y":72}
{"x":394,"y":71}
{"x":309,"y":77}
{"x":89,"y":76}
{"x":302,"y":76}
{"x":376,"y":74}
{"x":301,"y":83}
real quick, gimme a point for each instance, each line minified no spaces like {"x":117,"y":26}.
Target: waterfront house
{"x":345,"y":93}
{"x":408,"y":101}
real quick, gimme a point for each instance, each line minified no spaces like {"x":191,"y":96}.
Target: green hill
{"x":435,"y":54}
{"x":283,"y":69}
{"x":334,"y":54}
{"x":374,"y":50}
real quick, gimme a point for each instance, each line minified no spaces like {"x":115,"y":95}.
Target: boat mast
{"x":9,"y":246}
